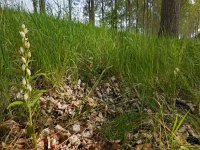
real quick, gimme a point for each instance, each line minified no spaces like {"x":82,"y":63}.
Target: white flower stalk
{"x":26,"y":55}
{"x":25,"y":91}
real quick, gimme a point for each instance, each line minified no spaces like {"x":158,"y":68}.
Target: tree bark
{"x":91,"y":12}
{"x":115,"y":15}
{"x":102,"y":11}
{"x":137,"y":15}
{"x":128,"y":14}
{"x":170,"y":16}
{"x":70,"y":9}
{"x":42,"y":7}
{"x":144,"y":11}
{"x":152,"y":16}
{"x":35,"y":5}
{"x":148,"y":20}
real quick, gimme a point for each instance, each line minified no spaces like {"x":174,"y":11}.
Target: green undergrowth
{"x":122,"y":125}
{"x":145,"y":65}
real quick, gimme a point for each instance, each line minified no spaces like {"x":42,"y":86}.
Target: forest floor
{"x":147,"y":99}
{"x":80,"y":116}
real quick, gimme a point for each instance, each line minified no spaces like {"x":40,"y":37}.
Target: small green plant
{"x":167,"y":134}
{"x":27,"y":97}
{"x":177,"y":124}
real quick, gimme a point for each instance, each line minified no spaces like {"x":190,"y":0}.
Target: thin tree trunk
{"x":198,"y":23}
{"x":128,"y":14}
{"x":144,"y":10}
{"x":42,"y":7}
{"x":70,"y":9}
{"x":137,"y":15}
{"x":152,"y":16}
{"x":91,"y":12}
{"x":102,"y":11}
{"x":115,"y":16}
{"x":147,"y":16}
{"x":35,"y":5}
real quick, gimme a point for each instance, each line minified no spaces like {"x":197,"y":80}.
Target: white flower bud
{"x":24,"y":39}
{"x":23,"y":60}
{"x":21,"y":50}
{"x":22,"y":34}
{"x":23,"y":26}
{"x":25,"y":96}
{"x":24,"y":81}
{"x":177,"y":69}
{"x":26,"y":44}
{"x":28,"y":71}
{"x":19,"y":95}
{"x":21,"y":91}
{"x":29,"y":87}
{"x":25,"y":30}
{"x":23,"y":67}
{"x":29,"y":54}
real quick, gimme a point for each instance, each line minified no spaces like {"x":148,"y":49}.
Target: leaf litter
{"x":71,"y":119}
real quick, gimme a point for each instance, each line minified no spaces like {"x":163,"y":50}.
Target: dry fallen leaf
{"x":76,"y":128}
{"x":91,"y":102}
{"x":59,"y":128}
{"x":86,"y":134}
{"x":76,"y":103}
{"x":74,"y":140}
{"x":144,"y":147}
{"x":40,"y":144}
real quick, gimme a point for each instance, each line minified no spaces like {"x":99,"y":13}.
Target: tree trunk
{"x":137,"y":15}
{"x":35,"y":5}
{"x":144,"y":11}
{"x":42,"y":7}
{"x":198,"y":19}
{"x":102,"y":11}
{"x":147,"y":16}
{"x":70,"y":9}
{"x":152,"y":16}
{"x":115,"y":16}
{"x":91,"y":12}
{"x":170,"y":16}
{"x":128,"y":14}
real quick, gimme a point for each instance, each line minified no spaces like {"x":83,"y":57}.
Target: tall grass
{"x":143,"y":64}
